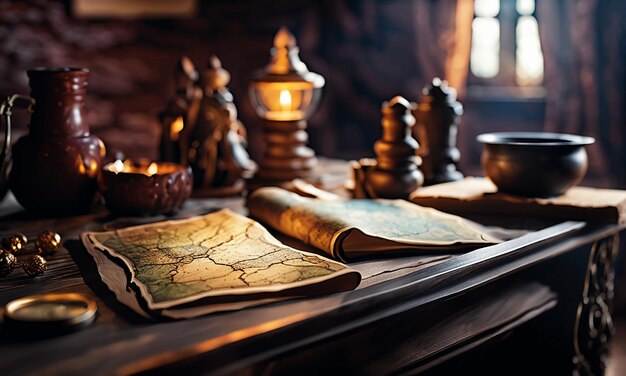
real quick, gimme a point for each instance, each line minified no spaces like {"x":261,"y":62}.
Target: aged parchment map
{"x":219,"y":254}
{"x":336,"y":225}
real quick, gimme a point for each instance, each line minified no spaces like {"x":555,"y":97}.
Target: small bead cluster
{"x":47,"y":244}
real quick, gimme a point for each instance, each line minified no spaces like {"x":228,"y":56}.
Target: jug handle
{"x":18,"y":101}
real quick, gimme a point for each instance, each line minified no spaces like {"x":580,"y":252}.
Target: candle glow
{"x":152,"y":169}
{"x":128,"y":166}
{"x":285,"y":100}
{"x":118,"y":166}
{"x":285,"y":90}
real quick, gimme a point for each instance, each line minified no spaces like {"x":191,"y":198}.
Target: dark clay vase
{"x":55,"y":166}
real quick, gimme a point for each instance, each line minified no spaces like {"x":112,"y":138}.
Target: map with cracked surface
{"x":216,"y":255}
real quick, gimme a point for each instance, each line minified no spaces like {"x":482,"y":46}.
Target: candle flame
{"x":176,"y":127}
{"x":152,"y":169}
{"x":285,"y":100}
{"x":130,"y":167}
{"x":118,"y":166}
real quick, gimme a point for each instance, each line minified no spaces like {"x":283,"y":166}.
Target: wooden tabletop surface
{"x":120,"y":342}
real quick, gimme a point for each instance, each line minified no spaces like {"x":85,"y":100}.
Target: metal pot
{"x":534,"y":164}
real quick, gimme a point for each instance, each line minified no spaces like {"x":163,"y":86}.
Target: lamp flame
{"x":285,"y":100}
{"x":176,"y":127}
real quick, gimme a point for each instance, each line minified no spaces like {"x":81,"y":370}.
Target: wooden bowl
{"x":142,"y":188}
{"x":534,"y":164}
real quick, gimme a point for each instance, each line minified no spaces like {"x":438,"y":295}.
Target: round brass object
{"x":49,"y":313}
{"x":534,"y":164}
{"x":35,"y":266}
{"x":48,"y":243}
{"x":7,"y":262}
{"x":15,"y":243}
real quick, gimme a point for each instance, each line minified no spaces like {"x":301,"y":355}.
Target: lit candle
{"x":285,"y":90}
{"x":117,"y":166}
{"x":129,"y":166}
{"x":152,"y":169}
{"x":143,"y":187}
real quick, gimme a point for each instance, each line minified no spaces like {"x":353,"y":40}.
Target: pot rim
{"x":538,"y":139}
{"x":174,"y":168}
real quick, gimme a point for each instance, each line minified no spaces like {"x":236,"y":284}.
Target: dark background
{"x":366,"y":50}
{"x":132,"y":63}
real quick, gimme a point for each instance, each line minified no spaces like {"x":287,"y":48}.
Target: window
{"x":506,"y":49}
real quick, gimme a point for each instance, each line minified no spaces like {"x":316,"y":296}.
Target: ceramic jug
{"x":56,"y":165}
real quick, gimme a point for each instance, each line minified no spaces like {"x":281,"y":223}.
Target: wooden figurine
{"x":201,"y":129}
{"x":395,"y":173}
{"x":180,"y":111}
{"x":438,"y":114}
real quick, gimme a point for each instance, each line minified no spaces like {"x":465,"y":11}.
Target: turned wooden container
{"x":438,"y":115}
{"x":396,"y":173}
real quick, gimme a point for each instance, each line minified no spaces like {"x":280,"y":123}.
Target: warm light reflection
{"x":92,"y":167}
{"x":176,"y":127}
{"x":205,"y":346}
{"x":285,"y":100}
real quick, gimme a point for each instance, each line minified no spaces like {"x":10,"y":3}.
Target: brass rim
{"x":90,"y":307}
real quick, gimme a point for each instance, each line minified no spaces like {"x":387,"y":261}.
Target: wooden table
{"x":543,"y":298}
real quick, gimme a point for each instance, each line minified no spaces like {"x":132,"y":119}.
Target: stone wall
{"x":365,"y":49}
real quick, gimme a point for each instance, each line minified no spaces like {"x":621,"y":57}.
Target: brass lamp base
{"x":286,"y":155}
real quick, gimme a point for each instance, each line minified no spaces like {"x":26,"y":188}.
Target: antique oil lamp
{"x":284,"y":94}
